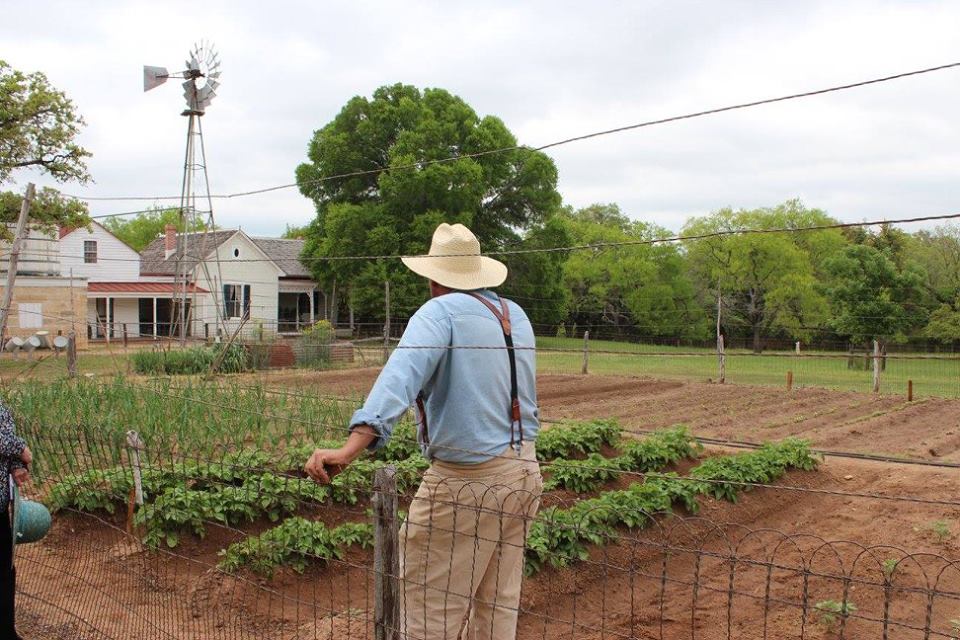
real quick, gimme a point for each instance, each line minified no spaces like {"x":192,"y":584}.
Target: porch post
{"x":108,"y":320}
{"x":155,"y":334}
{"x":313,"y":303}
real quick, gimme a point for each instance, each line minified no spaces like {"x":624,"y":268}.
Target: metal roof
{"x":165,"y":288}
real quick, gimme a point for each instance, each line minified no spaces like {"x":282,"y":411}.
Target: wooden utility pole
{"x":72,"y":354}
{"x":14,"y":258}
{"x":386,"y":556}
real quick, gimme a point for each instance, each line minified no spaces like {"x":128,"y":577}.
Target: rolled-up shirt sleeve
{"x":11,"y":446}
{"x":421,"y":348}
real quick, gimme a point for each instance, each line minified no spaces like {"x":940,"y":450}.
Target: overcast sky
{"x":550,"y":70}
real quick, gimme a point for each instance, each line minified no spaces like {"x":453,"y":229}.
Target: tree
{"x":938,"y":252}
{"x":293,"y":232}
{"x":767,"y":281}
{"x":48,"y":211}
{"x":641,"y":288}
{"x":391,"y":198}
{"x":38,"y":127}
{"x":535,"y":279}
{"x":145,"y":227}
{"x":873,"y":298}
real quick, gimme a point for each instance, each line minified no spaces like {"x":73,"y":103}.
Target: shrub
{"x":189,"y":361}
{"x":315,"y":345}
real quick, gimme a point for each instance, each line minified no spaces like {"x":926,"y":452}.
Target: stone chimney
{"x":170,"y":240}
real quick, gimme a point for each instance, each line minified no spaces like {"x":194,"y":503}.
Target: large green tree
{"x":48,"y":211}
{"x":142,"y":229}
{"x":406,"y":162}
{"x":767,"y":281}
{"x":642,"y":289}
{"x":872,"y":297}
{"x":38,"y":128}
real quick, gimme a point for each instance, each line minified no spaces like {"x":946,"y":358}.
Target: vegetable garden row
{"x":253,"y":485}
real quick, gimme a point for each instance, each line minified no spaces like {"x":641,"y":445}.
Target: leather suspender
{"x":503,"y":315}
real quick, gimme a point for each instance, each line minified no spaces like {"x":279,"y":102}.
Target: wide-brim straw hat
{"x":455,"y":262}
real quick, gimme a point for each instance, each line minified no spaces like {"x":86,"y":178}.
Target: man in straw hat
{"x":467,"y":361}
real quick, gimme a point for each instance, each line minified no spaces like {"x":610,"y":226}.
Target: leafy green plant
{"x":296,"y":543}
{"x":830,"y":612}
{"x":572,"y":437}
{"x":889,"y":567}
{"x":660,"y":449}
{"x":941,"y":529}
{"x":315,"y":344}
{"x":724,"y":477}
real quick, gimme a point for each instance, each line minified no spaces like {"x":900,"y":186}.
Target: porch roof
{"x":148,"y":288}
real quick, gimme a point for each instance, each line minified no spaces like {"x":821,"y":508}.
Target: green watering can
{"x":30,"y":521}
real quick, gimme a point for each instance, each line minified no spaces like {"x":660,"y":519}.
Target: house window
{"x":90,"y":251}
{"x":236,"y":300}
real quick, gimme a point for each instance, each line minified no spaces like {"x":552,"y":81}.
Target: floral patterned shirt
{"x":11,"y":447}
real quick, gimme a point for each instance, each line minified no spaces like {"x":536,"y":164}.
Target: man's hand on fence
{"x":21,"y":476}
{"x":325,"y":464}
{"x":26,"y":456}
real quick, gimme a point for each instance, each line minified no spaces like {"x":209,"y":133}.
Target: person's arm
{"x":336,"y":459}
{"x":12,"y":446}
{"x":396,"y":388}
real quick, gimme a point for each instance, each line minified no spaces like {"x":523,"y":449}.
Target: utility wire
{"x":597,"y":245}
{"x":596,"y":134}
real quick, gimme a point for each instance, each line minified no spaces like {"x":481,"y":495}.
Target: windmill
{"x":200,"y":81}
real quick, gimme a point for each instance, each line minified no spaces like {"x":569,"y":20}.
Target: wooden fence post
{"x":386,"y":556}
{"x":72,"y":354}
{"x":909,"y":390}
{"x":876,"y":367}
{"x":386,"y":323}
{"x":134,"y":445}
{"x":789,"y":380}
{"x":722,"y":358}
{"x":586,"y":352}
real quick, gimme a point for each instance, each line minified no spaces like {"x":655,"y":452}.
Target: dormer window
{"x":90,"y":251}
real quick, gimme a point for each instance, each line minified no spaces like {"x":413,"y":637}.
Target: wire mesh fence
{"x":164,"y":537}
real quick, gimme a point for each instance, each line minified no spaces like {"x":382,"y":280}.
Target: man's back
{"x":454,"y":351}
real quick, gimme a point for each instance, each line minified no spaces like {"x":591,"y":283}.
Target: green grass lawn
{"x":930,"y":377}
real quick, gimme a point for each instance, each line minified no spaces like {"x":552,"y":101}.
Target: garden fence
{"x":154,"y":539}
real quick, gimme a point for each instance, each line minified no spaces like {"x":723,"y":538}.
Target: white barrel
{"x":60,"y":342}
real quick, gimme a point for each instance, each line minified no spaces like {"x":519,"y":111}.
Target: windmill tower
{"x":200,"y":81}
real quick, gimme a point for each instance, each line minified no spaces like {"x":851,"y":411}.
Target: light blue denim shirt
{"x":466,"y":391}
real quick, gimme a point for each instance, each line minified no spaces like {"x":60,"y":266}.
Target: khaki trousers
{"x":462,"y":548}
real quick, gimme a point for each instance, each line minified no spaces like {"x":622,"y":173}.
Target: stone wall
{"x":48,"y":304}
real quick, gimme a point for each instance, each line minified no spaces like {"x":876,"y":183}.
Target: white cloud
{"x":550,"y":70}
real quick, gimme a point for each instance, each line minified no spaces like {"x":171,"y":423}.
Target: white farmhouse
{"x":257,"y":282}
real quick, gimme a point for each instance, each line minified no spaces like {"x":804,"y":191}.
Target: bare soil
{"x":824,"y":536}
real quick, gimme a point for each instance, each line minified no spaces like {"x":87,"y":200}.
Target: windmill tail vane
{"x":201,"y":77}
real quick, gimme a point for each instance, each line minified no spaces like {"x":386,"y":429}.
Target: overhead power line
{"x":556,"y":143}
{"x":596,"y":245}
